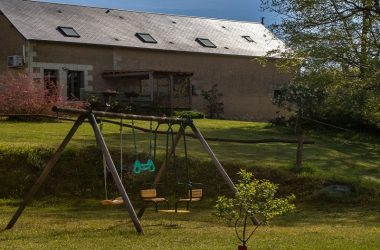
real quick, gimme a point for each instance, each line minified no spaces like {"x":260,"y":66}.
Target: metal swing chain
{"x":134,"y":138}
{"x":121,"y":149}
{"x":170,"y":133}
{"x":155,"y":142}
{"x":150,"y":140}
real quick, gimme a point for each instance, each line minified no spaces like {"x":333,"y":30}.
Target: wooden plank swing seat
{"x":116,"y":201}
{"x":194,"y":195}
{"x":150,"y":196}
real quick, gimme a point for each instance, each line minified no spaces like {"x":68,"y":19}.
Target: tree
{"x":254,"y":198}
{"x":302,"y":99}
{"x":334,"y":45}
{"x":214,"y":106}
{"x":20,"y":94}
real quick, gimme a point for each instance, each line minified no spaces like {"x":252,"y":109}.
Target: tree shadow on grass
{"x":332,"y":215}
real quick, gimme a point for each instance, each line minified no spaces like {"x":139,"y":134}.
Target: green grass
{"x":335,"y":155}
{"x":84,"y":224}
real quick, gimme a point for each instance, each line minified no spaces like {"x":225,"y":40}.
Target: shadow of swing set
{"x":147,"y":195}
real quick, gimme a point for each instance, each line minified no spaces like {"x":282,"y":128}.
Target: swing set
{"x":147,"y":195}
{"x":150,"y":195}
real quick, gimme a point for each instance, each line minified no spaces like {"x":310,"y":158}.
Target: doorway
{"x":75,"y":82}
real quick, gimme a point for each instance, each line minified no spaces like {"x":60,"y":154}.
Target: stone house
{"x":143,"y":58}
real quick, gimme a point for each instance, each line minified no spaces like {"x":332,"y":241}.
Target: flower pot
{"x":242,"y":248}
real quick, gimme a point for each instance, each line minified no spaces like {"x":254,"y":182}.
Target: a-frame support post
{"x":213,"y":157}
{"x":41,"y":179}
{"x":217,"y":164}
{"x":111,"y":166}
{"x":163,"y":166}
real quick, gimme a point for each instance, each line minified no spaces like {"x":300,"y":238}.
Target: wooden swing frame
{"x":90,"y":115}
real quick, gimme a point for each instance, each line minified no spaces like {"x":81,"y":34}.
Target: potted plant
{"x":255,"y":202}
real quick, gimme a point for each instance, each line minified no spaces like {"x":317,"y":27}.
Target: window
{"x":249,"y":39}
{"x":68,"y":31}
{"x":50,"y":81}
{"x":205,"y":42}
{"x":146,"y":38}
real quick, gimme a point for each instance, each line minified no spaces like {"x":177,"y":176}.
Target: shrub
{"x":22,"y":95}
{"x":255,"y":198}
{"x":189,"y":114}
{"x":215,"y":107}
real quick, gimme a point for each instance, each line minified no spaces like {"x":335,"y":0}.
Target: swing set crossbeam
{"x":171,"y":120}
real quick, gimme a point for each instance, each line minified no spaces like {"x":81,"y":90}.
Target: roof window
{"x":249,"y":39}
{"x":146,"y":38}
{"x":205,"y":42}
{"x":68,"y":31}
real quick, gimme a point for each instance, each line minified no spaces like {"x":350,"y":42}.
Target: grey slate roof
{"x":39,"y":21}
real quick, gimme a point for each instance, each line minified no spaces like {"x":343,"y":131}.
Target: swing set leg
{"x":115,"y":175}
{"x":45,"y":173}
{"x":218,"y":165}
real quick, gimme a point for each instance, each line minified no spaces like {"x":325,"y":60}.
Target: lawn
{"x":343,"y":155}
{"x":84,"y":224}
{"x":52,"y":223}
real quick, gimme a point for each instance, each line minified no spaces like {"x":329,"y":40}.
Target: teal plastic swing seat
{"x":139,"y":167}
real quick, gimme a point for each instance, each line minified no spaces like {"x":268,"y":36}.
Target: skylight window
{"x":249,"y":39}
{"x":205,"y":42}
{"x":146,"y":38}
{"x":68,"y":31}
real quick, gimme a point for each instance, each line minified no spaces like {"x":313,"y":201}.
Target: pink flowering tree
{"x":20,"y":94}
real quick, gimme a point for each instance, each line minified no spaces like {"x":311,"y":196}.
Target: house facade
{"x":145,"y":58}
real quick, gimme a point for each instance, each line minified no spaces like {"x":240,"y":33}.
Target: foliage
{"x":189,"y":114}
{"x":22,"y":95}
{"x":95,"y":102}
{"x":333,"y":45}
{"x":113,"y":106}
{"x":299,"y":98}
{"x":255,"y":198}
{"x":117,"y":107}
{"x":215,"y":107}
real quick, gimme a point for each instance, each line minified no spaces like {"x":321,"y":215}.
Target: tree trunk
{"x":299,"y":154}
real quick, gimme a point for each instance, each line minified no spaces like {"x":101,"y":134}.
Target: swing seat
{"x":137,"y":167}
{"x":194,"y":195}
{"x":116,"y":201}
{"x":150,"y":196}
{"x":148,"y":166}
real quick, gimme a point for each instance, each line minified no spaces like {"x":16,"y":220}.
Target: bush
{"x":215,"y":107}
{"x":255,"y":198}
{"x":189,"y":114}
{"x":79,"y":172}
{"x":22,"y":95}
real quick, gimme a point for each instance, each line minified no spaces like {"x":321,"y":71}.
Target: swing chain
{"x":121,"y":148}
{"x":134,"y":138}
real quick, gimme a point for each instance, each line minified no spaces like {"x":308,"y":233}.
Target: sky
{"x":246,"y":10}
